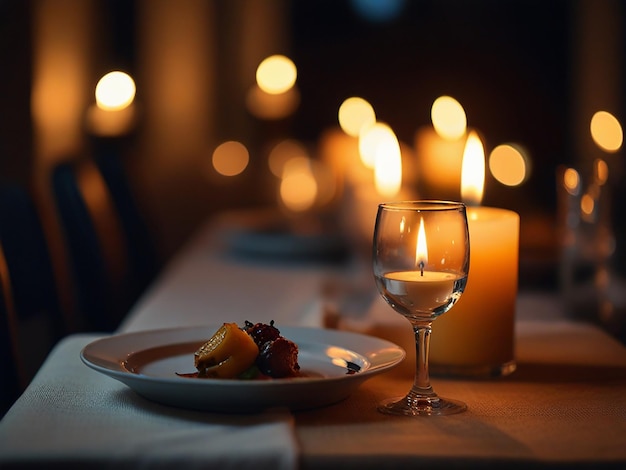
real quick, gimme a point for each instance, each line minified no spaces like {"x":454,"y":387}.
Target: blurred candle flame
{"x":114,"y":91}
{"x":571,"y":181}
{"x":587,"y":204}
{"x":276,"y":74}
{"x":448,"y":118}
{"x":601,"y":171}
{"x":473,"y":170}
{"x":388,"y":165}
{"x":354,"y":115}
{"x":606,"y":131}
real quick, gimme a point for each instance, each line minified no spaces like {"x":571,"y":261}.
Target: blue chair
{"x":32,"y":320}
{"x":143,"y":258}
{"x":92,"y":283}
{"x":109,"y":247}
{"x":12,"y":380}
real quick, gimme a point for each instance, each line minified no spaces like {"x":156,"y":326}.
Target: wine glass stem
{"x":421,"y":384}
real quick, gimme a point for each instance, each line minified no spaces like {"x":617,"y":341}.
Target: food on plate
{"x":257,"y":350}
{"x":228,"y":353}
{"x":278,"y":356}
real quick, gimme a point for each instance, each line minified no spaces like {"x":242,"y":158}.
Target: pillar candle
{"x":476,"y":337}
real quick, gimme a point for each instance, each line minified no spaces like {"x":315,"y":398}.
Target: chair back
{"x":143,"y":258}
{"x":12,"y":379}
{"x":107,"y":243}
{"x":32,"y":319}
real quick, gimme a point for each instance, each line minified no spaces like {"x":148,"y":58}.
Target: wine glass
{"x":421,"y":262}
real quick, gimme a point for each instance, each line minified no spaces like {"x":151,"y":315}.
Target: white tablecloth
{"x":71,"y":415}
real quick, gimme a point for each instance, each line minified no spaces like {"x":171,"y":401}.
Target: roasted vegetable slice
{"x":228,"y":353}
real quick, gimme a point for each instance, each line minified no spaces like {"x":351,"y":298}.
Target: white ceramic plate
{"x":148,"y":362}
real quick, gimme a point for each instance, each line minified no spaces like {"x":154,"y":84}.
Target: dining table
{"x":563,"y":407}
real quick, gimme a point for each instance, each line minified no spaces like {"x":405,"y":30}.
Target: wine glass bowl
{"x":421,"y":263}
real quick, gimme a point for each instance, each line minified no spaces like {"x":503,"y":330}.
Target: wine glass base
{"x":409,"y":406}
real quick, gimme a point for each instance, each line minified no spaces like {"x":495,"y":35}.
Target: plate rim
{"x":120,"y":372}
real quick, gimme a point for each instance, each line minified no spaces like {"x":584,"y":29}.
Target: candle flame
{"x":473,"y":170}
{"x":421,"y":248}
{"x":388,"y":166}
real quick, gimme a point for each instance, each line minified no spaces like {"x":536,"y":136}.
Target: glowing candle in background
{"x":114,"y":113}
{"x":380,"y":149}
{"x":476,"y":338}
{"x":298,"y":187}
{"x":439,"y":149}
{"x":274,"y":94}
{"x":339,"y":146}
{"x":388,"y":166}
{"x":606,"y":131}
{"x":304,"y":183}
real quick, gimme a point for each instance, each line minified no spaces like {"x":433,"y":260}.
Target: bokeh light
{"x":601,"y":171}
{"x":587,"y":205}
{"x":370,"y":138}
{"x":355,"y":114}
{"x":298,"y":188}
{"x":276,"y":74}
{"x":115,"y":91}
{"x":606,"y":131}
{"x":509,"y":164}
{"x":448,"y":117}
{"x":282,"y":152}
{"x":571,"y":181}
{"x":230,"y":158}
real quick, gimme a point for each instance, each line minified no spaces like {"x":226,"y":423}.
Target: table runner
{"x":564,"y":405}
{"x":91,"y":419}
{"x":510,"y":422}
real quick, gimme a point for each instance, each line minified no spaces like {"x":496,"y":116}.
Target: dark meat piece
{"x":278,"y":358}
{"x":261,"y":333}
